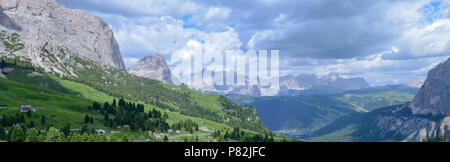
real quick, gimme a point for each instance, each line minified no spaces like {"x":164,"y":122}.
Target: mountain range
{"x":66,"y":61}
{"x":309,"y":113}
{"x":294,"y":85}
{"x":310,"y":84}
{"x":426,"y":116}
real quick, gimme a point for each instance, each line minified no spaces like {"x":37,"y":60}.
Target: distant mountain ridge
{"x":309,"y":113}
{"x":308,"y":84}
{"x":294,"y":85}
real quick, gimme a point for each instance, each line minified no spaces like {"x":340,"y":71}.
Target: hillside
{"x":120,"y":84}
{"x":67,"y":103}
{"x":76,"y":56}
{"x":425,"y":117}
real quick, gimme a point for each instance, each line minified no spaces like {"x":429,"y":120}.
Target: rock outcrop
{"x":444,"y":129}
{"x":47,"y":28}
{"x":426,"y":114}
{"x":416,"y":83}
{"x":152,"y":67}
{"x":434,"y":96}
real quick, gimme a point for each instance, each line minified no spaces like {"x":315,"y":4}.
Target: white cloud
{"x":158,"y":7}
{"x":218,"y":13}
{"x":158,"y":35}
{"x":129,"y":61}
{"x":352,"y":38}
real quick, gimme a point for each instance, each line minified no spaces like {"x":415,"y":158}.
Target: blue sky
{"x":383,"y":41}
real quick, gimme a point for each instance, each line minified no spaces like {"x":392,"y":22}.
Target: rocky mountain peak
{"x":152,"y":67}
{"x":434,"y":98}
{"x":45,"y":27}
{"x":416,"y":83}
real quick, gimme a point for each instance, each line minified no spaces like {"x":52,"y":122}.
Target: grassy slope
{"x":63,"y":108}
{"x":341,"y":135}
{"x":120,"y":84}
{"x":93,"y":94}
{"x":371,"y":101}
{"x":59,"y":108}
{"x":305,"y":112}
{"x":63,"y":99}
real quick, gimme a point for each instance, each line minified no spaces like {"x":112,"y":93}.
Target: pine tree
{"x":32,"y":135}
{"x":29,"y":114}
{"x":31,"y":125}
{"x":166,"y":138}
{"x":86,"y":119}
{"x":226,"y":136}
{"x":106,"y":117}
{"x":22,"y":118}
{"x":66,"y":130}
{"x":114,"y":104}
{"x":3,"y":135}
{"x":3,"y":64}
{"x":166,"y":116}
{"x":43,"y":120}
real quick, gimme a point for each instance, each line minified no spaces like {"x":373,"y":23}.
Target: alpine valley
{"x":387,"y":113}
{"x":63,"y":79}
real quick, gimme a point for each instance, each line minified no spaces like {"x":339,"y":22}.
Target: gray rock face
{"x":416,"y":83}
{"x":412,"y":127}
{"x":434,"y":96}
{"x":444,"y":129}
{"x":46,"y":27}
{"x":152,"y":67}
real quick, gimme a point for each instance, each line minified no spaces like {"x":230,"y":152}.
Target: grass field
{"x":92,"y":94}
{"x":59,"y":108}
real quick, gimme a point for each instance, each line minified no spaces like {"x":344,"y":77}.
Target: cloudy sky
{"x":383,"y":41}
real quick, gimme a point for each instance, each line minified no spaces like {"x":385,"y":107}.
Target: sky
{"x":383,"y":41}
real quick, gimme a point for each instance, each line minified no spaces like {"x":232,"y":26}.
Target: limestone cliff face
{"x":434,"y":96}
{"x":46,"y":28}
{"x":426,"y":115}
{"x":152,"y":67}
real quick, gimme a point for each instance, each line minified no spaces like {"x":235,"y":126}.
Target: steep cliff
{"x":425,"y":116}
{"x":47,"y":31}
{"x":433,"y":97}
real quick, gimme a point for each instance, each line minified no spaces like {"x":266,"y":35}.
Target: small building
{"x":3,"y":106}
{"x":26,"y":108}
{"x":75,"y":130}
{"x":100,"y":131}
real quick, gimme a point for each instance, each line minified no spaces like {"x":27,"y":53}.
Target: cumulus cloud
{"x":161,"y":35}
{"x":129,"y":61}
{"x":384,"y":41}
